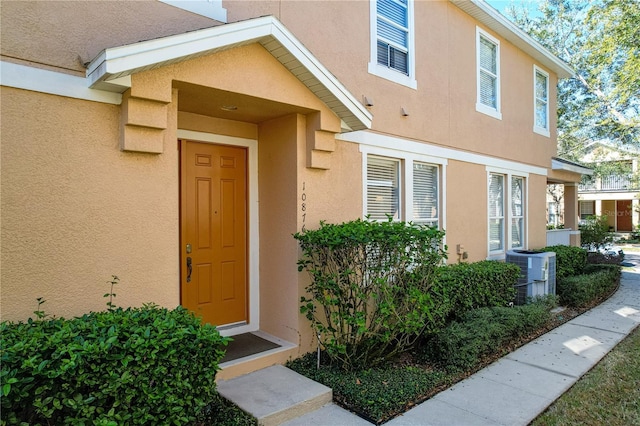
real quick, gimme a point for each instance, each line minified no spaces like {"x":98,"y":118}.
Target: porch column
{"x":635,"y":213}
{"x":571,"y":212}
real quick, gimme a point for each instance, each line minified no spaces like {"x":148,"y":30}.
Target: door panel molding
{"x":253,"y":224}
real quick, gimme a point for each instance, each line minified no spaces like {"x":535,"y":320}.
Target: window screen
{"x":425,"y":193}
{"x":496,"y":212}
{"x":517,"y":212}
{"x":393,"y":34}
{"x":383,"y":190}
{"x":542,"y":99}
{"x":488,"y":78}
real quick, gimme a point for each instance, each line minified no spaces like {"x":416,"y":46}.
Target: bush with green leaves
{"x":369,"y":296}
{"x":480,"y":332}
{"x":476,"y":285}
{"x":146,"y":365}
{"x":595,"y":234}
{"x":583,"y":290}
{"x":570,"y":261}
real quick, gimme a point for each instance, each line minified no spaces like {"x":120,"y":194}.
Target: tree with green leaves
{"x":600,"y":40}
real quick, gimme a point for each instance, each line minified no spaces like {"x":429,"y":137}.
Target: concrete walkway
{"x":517,"y":388}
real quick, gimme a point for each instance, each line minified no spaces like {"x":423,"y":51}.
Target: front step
{"x":275,"y":394}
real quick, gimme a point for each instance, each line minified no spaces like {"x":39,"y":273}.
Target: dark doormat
{"x":247,"y":344}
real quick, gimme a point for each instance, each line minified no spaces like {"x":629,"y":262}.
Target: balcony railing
{"x":610,"y":183}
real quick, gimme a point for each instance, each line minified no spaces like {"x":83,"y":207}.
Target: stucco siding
{"x":76,"y":210}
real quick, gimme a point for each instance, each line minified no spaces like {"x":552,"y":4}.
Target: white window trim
{"x":540,"y":130}
{"x":508,"y":174}
{"x":210,"y":8}
{"x":406,"y":175}
{"x":385,"y":72}
{"x":480,"y":107}
{"x":511,"y":217}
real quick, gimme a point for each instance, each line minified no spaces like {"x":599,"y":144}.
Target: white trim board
{"x":396,"y":144}
{"x":53,"y":83}
{"x":254,"y":223}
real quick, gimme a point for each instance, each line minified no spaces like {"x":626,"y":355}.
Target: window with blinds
{"x":488,"y":72}
{"x":517,"y":212}
{"x":496,"y":212}
{"x":587,"y":208}
{"x":393,"y":34}
{"x":425,"y":193}
{"x":383,"y":188}
{"x":541,"y":91}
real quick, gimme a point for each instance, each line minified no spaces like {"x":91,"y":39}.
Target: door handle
{"x":189,"y":269}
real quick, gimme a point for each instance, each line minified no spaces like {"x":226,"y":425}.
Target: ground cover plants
{"x":471,"y":321}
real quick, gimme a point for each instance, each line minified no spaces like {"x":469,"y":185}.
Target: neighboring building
{"x":614,"y":194}
{"x":181,"y":149}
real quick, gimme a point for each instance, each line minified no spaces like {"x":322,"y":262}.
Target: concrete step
{"x":275,"y":395}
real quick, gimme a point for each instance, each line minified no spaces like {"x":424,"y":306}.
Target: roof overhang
{"x":491,"y":18}
{"x":111,"y":70}
{"x":569,"y":166}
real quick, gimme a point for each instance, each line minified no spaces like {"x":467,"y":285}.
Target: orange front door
{"x":214,"y":231}
{"x":624,"y":213}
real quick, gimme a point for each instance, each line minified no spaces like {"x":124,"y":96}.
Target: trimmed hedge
{"x":595,"y":283}
{"x":570,"y":261}
{"x":144,"y":365}
{"x":479,"y":333}
{"x":467,"y":286}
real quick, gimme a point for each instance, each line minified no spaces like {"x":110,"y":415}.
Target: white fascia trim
{"x":125,"y":60}
{"x":210,"y":8}
{"x":483,"y":12}
{"x":559,"y":165}
{"x":53,"y":83}
{"x":395,"y":144}
{"x":254,"y":222}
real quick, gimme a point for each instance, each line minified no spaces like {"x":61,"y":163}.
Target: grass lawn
{"x":607,"y":395}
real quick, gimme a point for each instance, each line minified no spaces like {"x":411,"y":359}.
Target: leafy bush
{"x":606,"y":258}
{"x":477,"y":285}
{"x":594,"y":233}
{"x":569,"y":260}
{"x":144,"y":365}
{"x":369,"y":292}
{"x":583,"y":290}
{"x":480,"y":332}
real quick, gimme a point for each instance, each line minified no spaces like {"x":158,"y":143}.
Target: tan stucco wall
{"x":63,"y":35}
{"x":442,"y":109}
{"x":537,"y":221}
{"x":76,"y":210}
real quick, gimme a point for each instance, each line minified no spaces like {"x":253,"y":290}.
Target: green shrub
{"x":477,"y":285}
{"x":583,"y":290}
{"x":369,"y":292}
{"x":480,"y":332}
{"x":375,"y":393}
{"x":595,"y":234}
{"x":569,"y":260}
{"x":144,"y":365}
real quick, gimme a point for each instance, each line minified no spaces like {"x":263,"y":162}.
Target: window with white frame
{"x":496,"y":212}
{"x":507,"y":212}
{"x":541,"y":99}
{"x":383,"y":188}
{"x":488,"y":74}
{"x":392,"y":48}
{"x":210,"y":8}
{"x":517,"y":212}
{"x":387,"y":195}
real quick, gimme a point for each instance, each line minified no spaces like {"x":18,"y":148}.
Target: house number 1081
{"x":303,"y":206}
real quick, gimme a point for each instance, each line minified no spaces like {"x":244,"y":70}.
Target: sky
{"x":501,"y":5}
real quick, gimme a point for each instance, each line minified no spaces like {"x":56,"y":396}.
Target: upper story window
{"x":392,"y":49}
{"x":488,"y":74}
{"x":403,"y":189}
{"x":541,"y":101}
